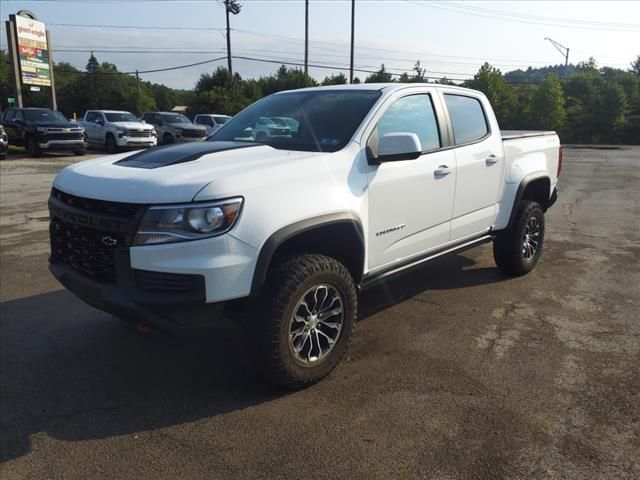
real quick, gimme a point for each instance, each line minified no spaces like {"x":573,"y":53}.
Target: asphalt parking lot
{"x":454,"y":372}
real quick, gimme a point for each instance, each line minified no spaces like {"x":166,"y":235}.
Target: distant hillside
{"x":536,"y":75}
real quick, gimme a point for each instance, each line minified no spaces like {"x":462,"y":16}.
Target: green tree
{"x":635,"y":66}
{"x":381,"y":76}
{"x":490,"y":81}
{"x":547,"y":105}
{"x":338,"y":79}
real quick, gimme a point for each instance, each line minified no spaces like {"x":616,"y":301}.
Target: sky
{"x":449,"y":38}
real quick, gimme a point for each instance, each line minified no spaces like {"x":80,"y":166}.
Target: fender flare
{"x":279,"y":237}
{"x":526,"y":180}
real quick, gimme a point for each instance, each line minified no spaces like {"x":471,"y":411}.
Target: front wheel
{"x":79,"y":153}
{"x":110,"y":144}
{"x":305,"y":320}
{"x":33,"y":149}
{"x":518,"y":249}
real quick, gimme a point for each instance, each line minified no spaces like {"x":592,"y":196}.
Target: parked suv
{"x":113,"y":130}
{"x":43,"y":129}
{"x":282,"y":234}
{"x":174,"y":127}
{"x":4,"y":143}
{"x":211,"y":121}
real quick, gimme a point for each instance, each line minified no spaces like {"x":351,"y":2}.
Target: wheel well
{"x":341,"y":239}
{"x":538,"y":190}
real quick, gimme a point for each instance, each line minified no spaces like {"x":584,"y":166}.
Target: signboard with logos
{"x":33,"y":51}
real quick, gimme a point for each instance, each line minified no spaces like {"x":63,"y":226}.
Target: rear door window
{"x":467,"y":118}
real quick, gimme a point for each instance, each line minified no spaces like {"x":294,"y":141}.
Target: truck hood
{"x":171,"y":174}
{"x":133,"y":125}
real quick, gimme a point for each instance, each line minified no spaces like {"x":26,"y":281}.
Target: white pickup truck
{"x":282,"y":233}
{"x":115,"y":130}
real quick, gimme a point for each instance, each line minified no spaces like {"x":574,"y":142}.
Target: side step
{"x":374,"y":279}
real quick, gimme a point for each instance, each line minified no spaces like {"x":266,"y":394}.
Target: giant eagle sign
{"x":33,"y":51}
{"x":30,"y":55}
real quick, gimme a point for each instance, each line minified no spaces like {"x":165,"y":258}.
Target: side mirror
{"x":99,"y":121}
{"x":397,"y":146}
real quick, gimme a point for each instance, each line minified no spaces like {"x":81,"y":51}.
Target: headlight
{"x":42,"y":129}
{"x":192,"y":221}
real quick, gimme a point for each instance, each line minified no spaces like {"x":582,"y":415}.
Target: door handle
{"x":442,"y":170}
{"x":491,"y":160}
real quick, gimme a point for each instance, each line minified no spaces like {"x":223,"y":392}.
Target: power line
{"x":467,"y":10}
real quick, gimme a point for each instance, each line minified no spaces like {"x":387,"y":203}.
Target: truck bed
{"x":515,"y":134}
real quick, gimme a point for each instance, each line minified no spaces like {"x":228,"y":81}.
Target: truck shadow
{"x":75,"y":373}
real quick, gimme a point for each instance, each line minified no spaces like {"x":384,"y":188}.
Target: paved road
{"x":454,"y":372}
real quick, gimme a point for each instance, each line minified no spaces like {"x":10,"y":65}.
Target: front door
{"x":410,"y":201}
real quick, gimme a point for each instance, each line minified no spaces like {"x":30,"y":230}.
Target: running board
{"x":376,"y":278}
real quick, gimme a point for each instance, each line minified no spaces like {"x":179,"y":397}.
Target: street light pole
{"x":230,"y":6}
{"x":353,"y":16}
{"x":565,"y":53}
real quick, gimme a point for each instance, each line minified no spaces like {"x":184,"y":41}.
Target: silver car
{"x":211,"y":121}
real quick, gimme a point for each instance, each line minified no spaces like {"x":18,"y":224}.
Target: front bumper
{"x":175,"y":312}
{"x":136,"y":142}
{"x":190,"y":139}
{"x":63,"y":145}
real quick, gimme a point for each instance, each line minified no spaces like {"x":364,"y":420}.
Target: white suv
{"x":211,"y":121}
{"x":282,"y":233}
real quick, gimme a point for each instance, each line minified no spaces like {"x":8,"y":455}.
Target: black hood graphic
{"x":173,"y":154}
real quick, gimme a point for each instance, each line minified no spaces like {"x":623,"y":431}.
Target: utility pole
{"x":138,"y":84}
{"x":565,"y":53}
{"x":230,"y":6}
{"x":353,"y":17}
{"x":306,"y":37}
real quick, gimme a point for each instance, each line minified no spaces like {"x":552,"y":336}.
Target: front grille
{"x":193,"y":133}
{"x":119,"y":209}
{"x":63,"y":136}
{"x":166,"y":282}
{"x":89,"y":251}
{"x":136,"y":133}
{"x":86,"y":248}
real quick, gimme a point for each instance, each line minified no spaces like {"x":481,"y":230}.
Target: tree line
{"x":593,"y":105}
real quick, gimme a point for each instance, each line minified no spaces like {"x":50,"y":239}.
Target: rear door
{"x":479,"y":162}
{"x":410,"y":201}
{"x":92,"y":129}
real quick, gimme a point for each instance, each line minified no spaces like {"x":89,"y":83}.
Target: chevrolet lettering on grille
{"x":85,"y":219}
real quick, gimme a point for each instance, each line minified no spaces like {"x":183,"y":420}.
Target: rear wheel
{"x":305,"y":319}
{"x":518,"y":249}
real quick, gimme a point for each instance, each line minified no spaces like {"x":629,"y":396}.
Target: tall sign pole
{"x":13,"y":61}
{"x":353,"y":16}
{"x":54,"y":100}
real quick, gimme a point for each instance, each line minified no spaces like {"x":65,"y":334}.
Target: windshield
{"x":44,"y":116}
{"x":221,"y":120}
{"x":175,"y":118}
{"x":319,"y":121}
{"x":121,"y":117}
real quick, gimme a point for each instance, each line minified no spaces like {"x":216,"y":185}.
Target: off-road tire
{"x":32,"y":146}
{"x":286,"y":286}
{"x":110,"y":143}
{"x":508,"y":247}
